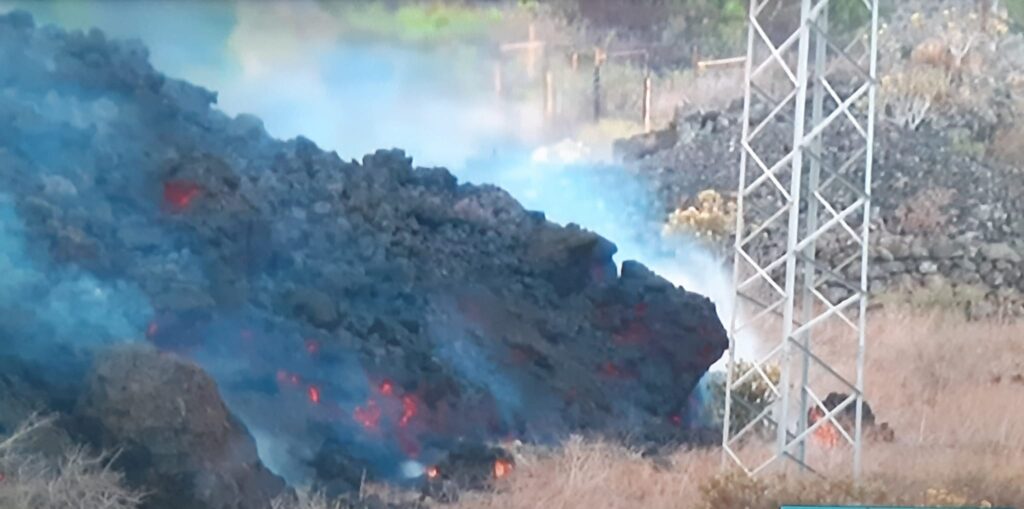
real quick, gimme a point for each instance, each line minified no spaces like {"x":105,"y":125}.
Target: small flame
{"x":432,"y":472}
{"x":386,"y":388}
{"x":314,"y":394}
{"x":502,"y":468}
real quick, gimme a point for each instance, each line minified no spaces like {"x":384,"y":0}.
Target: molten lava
{"x":314,"y":394}
{"x":285,"y":377}
{"x":408,"y":410}
{"x":637,"y":333}
{"x":368,"y":416}
{"x":612,"y":370}
{"x":827,"y":435}
{"x":179,"y":194}
{"x":502,"y":468}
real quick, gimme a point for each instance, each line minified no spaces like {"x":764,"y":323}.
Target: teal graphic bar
{"x":873,"y":507}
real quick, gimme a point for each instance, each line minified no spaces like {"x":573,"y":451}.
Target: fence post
{"x":531,"y":52}
{"x":497,"y":79}
{"x":549,"y":94}
{"x":647,"y":103}
{"x":598,"y":58}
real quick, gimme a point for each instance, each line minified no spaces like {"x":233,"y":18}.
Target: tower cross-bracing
{"x":804,"y":182}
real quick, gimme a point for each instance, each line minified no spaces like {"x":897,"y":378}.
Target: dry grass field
{"x":953,"y":391}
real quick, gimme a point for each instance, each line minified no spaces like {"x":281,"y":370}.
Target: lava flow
{"x":179,"y":194}
{"x":502,"y":468}
{"x":827,"y":435}
{"x":368,"y":416}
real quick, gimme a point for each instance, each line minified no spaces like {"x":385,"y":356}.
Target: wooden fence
{"x":555,"y":72}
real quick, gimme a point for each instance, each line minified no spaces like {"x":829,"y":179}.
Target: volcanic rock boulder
{"x":177,"y":437}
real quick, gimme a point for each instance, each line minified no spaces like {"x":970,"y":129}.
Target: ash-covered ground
{"x":357,"y":318}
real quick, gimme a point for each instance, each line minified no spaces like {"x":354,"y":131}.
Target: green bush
{"x":749,"y":398}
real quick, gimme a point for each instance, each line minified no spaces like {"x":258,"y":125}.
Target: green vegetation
{"x":1015,"y":10}
{"x":417,"y":23}
{"x":749,"y":399}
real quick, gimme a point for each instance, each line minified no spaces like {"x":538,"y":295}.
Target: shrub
{"x":76,"y":480}
{"x":907,"y":97}
{"x":1008,"y":145}
{"x":925,"y":212}
{"x":735,"y":489}
{"x":749,"y":398}
{"x":303,"y":499}
{"x":711,"y":218}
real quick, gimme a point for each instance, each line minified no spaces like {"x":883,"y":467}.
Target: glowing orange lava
{"x":408,"y":410}
{"x":502,"y":468}
{"x":285,"y":377}
{"x":180,"y":193}
{"x":369,"y":416}
{"x":314,"y":394}
{"x":827,"y":435}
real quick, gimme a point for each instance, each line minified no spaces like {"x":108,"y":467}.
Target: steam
{"x":69,"y":307}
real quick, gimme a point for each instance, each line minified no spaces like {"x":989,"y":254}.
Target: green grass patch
{"x":417,"y":23}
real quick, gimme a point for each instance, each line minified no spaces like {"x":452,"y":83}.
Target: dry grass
{"x":77,"y":480}
{"x":948,"y":387}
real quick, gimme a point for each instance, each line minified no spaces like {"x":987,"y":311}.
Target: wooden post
{"x":497,"y":79}
{"x":598,"y":57}
{"x":647,"y":103}
{"x":531,"y":53}
{"x":549,"y":95}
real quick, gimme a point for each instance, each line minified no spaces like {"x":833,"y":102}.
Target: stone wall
{"x":947,"y":224}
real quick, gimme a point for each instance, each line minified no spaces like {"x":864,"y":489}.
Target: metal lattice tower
{"x":805,"y":182}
